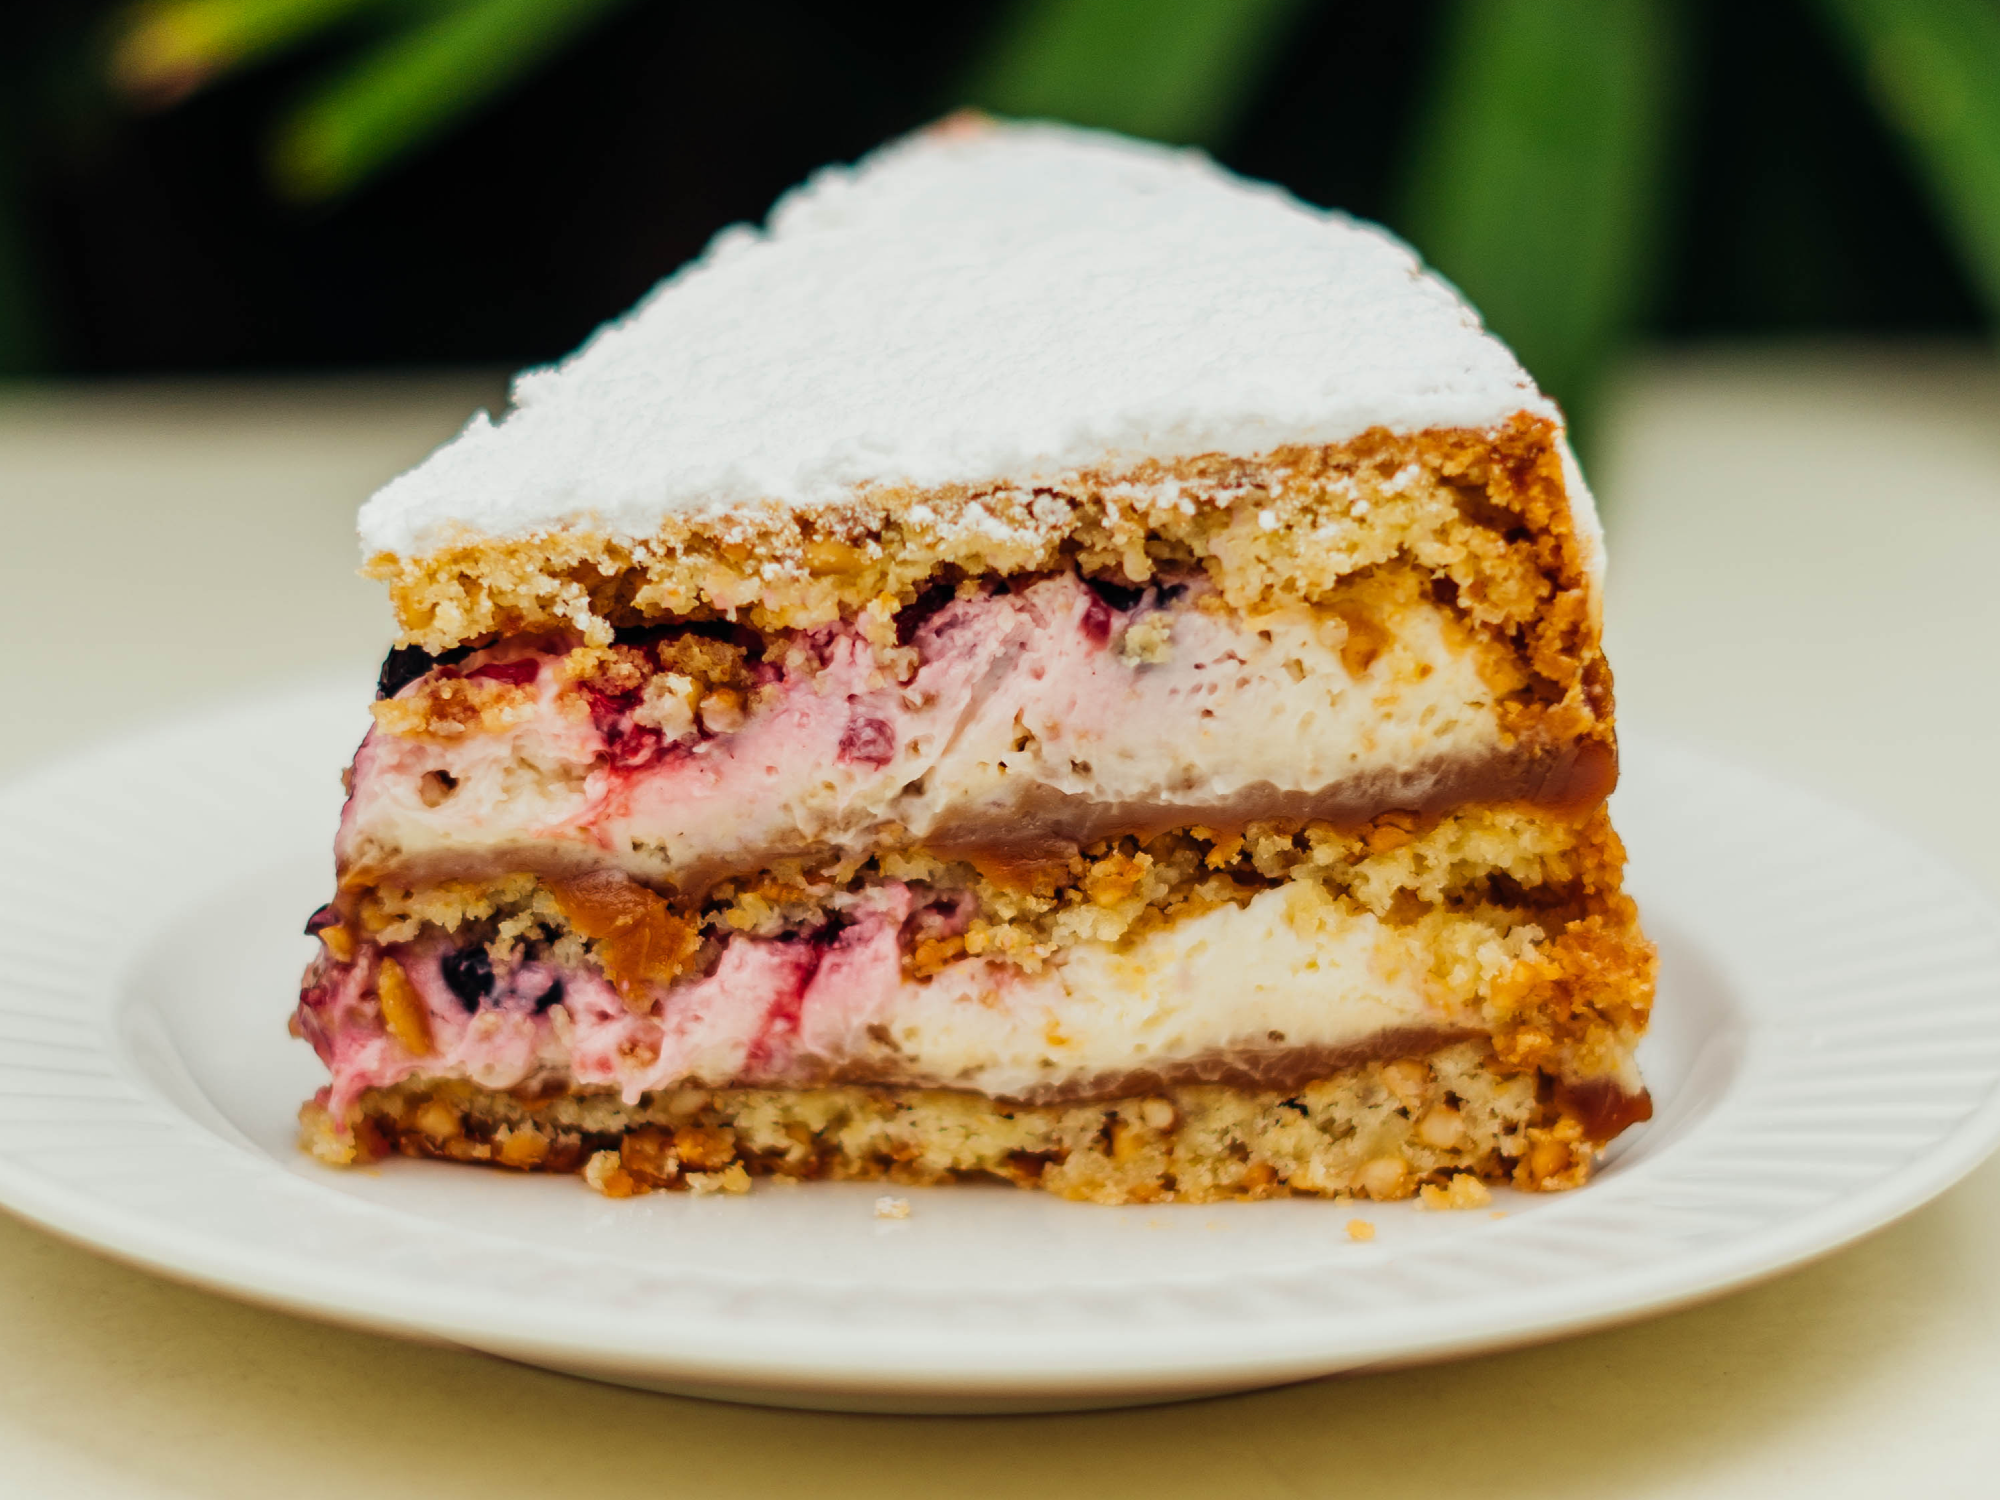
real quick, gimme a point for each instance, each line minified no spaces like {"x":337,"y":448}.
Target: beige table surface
{"x":1803,"y":577}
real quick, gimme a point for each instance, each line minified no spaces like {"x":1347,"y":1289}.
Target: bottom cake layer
{"x":1390,"y":1129}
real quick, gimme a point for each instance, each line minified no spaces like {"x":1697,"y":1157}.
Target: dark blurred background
{"x":1591,"y":171}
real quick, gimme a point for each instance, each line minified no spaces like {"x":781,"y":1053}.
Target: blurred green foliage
{"x":423,"y":65}
{"x":20,"y":334}
{"x":1538,"y":179}
{"x":1934,"y":68}
{"x":20,"y":337}
{"x":1171,"y":70}
{"x":416,"y":84}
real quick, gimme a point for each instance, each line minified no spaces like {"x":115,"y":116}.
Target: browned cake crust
{"x":1387,"y":1129}
{"x":1485,"y":512}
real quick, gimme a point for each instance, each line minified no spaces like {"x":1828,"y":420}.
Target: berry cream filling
{"x":1291,"y":985}
{"x":1005,"y":727}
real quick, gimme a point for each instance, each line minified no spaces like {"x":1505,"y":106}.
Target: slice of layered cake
{"x":1045,"y":661}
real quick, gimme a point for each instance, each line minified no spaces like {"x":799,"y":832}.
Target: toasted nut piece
{"x":705,"y":1147}
{"x":641,"y":1052}
{"x":1558,"y":1157}
{"x":1527,"y":1043}
{"x":928,"y":955}
{"x":604,"y":1173}
{"x":722,"y":711}
{"x":370,"y":1144}
{"x":1385,"y":1177}
{"x":1226,"y":846}
{"x":1548,"y":1159}
{"x":1408,"y":1078}
{"x":828,"y":556}
{"x":1158,"y":1114}
{"x":1148,"y":640}
{"x":669,"y":705}
{"x":1441,"y":1127}
{"x":639,"y":941}
{"x":1463,"y":1191}
{"x":1259,"y":1174}
{"x":648,"y":1154}
{"x":339,"y":943}
{"x":450,"y":707}
{"x":687,"y":1101}
{"x":439,"y":1121}
{"x":403,"y":1009}
{"x":1114,"y":878}
{"x":521,"y":1146}
{"x":1127,"y":1142}
{"x":731,"y":1179}
{"x":335,"y":1147}
{"x":1365,"y":641}
{"x":1391,"y":830}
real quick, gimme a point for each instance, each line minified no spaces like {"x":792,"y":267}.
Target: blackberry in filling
{"x":468,"y":972}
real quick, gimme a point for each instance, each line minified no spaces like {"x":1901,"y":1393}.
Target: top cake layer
{"x":979,"y":302}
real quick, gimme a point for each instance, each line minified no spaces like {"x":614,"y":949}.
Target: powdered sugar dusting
{"x":965,"y":306}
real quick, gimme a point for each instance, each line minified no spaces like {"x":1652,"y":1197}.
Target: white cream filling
{"x":1294,"y":968}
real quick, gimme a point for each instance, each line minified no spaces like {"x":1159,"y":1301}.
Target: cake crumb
{"x":892,"y":1208}
{"x":1148,"y":640}
{"x":1360,"y":1231}
{"x":605,"y":1173}
{"x":848,"y":1132}
{"x":1464,"y":1191}
{"x":731,"y":1179}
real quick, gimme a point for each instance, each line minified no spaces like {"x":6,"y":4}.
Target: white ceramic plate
{"x":1825,"y":1057}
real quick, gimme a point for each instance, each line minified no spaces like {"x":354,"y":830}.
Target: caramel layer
{"x":1601,"y":1105}
{"x":1273,"y":1067}
{"x":1045,"y":826}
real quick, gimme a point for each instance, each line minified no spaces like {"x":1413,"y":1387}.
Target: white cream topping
{"x":968,"y":305}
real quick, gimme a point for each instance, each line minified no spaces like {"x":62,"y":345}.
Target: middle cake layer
{"x":1160,"y":970}
{"x":1003,"y":728}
